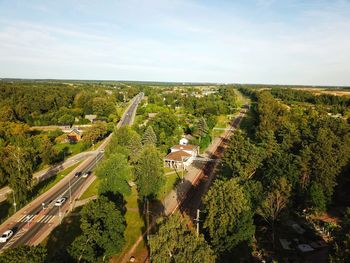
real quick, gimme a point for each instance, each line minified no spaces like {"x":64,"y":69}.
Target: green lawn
{"x":170,"y":183}
{"x":92,"y":190}
{"x":73,"y":148}
{"x":223,"y":122}
{"x":134,"y":224}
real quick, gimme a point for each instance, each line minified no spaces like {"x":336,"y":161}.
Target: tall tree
{"x":114,"y":174}
{"x":176,"y":241}
{"x":149,"y":137}
{"x":202,"y":127}
{"x":229,"y":218}
{"x":149,"y":172}
{"x":275,"y":201}
{"x":103,"y":231}
{"x":242,"y":156}
{"x":22,"y":254}
{"x":19,"y":164}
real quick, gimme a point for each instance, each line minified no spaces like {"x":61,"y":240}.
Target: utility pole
{"x":19,"y":174}
{"x":147,"y":218}
{"x":70,"y":193}
{"x":197,"y":219}
{"x":183,"y":169}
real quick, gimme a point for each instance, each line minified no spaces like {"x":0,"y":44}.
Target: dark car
{"x":78,"y":174}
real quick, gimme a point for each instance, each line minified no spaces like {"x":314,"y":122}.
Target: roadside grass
{"x":223,"y":122}
{"x":135,"y":225}
{"x":72,"y":148}
{"x":92,"y":190}
{"x":5,"y":210}
{"x":62,"y":237}
{"x":168,"y":170}
{"x":44,"y":186}
{"x":170,"y":183}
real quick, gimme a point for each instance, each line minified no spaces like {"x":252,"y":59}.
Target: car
{"x":86,"y":174}
{"x":78,"y":174}
{"x":6,"y":236}
{"x":60,"y":201}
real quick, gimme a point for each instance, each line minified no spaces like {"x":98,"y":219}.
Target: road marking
{"x":18,"y":235}
{"x":26,"y":218}
{"x":46,"y":219}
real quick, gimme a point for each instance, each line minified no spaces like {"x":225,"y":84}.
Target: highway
{"x":41,"y":215}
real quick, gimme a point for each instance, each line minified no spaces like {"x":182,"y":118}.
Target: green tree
{"x":149,"y":137}
{"x":176,"y":241}
{"x":229,"y":218}
{"x":22,"y":254}
{"x":103,"y":231}
{"x":275,"y":201}
{"x":66,"y":119}
{"x":95,"y":133}
{"x":18,"y":163}
{"x":242,"y":156}
{"x":149,"y":172}
{"x":126,"y":141}
{"x":317,"y":198}
{"x":114,"y":174}
{"x":202,"y":128}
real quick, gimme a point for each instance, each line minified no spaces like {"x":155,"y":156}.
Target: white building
{"x":183,"y":141}
{"x":181,"y":156}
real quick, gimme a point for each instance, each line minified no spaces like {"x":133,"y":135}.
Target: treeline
{"x":336,"y":104}
{"x":40,"y":103}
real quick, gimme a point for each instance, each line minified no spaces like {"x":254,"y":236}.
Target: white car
{"x":60,"y":201}
{"x":86,"y":174}
{"x":6,"y":236}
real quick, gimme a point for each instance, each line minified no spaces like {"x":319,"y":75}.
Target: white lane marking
{"x":26,"y":218}
{"x":18,"y":235}
{"x":50,"y":219}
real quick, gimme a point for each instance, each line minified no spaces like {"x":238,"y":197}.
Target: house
{"x":181,"y":156}
{"x":91,"y":117}
{"x":74,"y":135}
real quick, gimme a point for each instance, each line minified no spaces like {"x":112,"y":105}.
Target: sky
{"x":251,"y":41}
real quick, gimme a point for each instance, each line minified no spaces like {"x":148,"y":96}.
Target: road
{"x":39,"y":217}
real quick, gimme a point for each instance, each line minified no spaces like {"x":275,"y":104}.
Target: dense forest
{"x":286,"y":161}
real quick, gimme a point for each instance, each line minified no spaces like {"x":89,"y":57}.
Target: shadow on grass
{"x":5,"y":208}
{"x":62,"y":237}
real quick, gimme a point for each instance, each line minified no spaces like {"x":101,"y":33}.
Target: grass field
{"x":73,"y":149}
{"x":135,"y":225}
{"x":92,"y":190}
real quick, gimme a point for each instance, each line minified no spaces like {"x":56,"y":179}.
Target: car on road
{"x":78,"y":174}
{"x":60,"y":201}
{"x":6,"y":236}
{"x":86,"y":174}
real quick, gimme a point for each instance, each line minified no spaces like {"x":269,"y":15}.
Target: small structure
{"x":183,"y":141}
{"x":91,"y":117}
{"x":181,"y":156}
{"x":74,"y":135}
